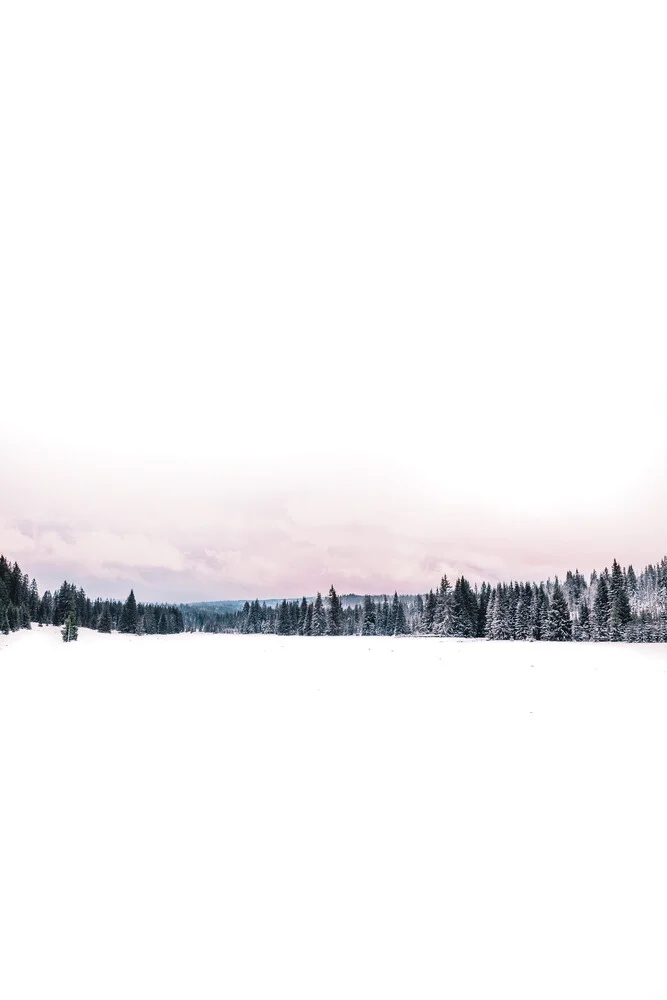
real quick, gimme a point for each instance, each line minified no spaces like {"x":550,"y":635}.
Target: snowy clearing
{"x":207,"y":816}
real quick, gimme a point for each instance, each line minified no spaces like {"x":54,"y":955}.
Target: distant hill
{"x":224,"y":607}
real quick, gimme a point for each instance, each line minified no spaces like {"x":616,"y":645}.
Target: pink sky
{"x":357,"y":306}
{"x":197,"y":534}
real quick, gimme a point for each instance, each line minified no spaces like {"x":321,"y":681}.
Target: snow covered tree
{"x":600,"y":617}
{"x":398,"y":617}
{"x":619,"y":604}
{"x":384,"y":623}
{"x":522,"y":614}
{"x":334,"y":614}
{"x":581,"y":630}
{"x":319,"y":622}
{"x":70,"y":631}
{"x":303,"y":614}
{"x":465,"y":611}
{"x":284,"y":624}
{"x":150,"y":622}
{"x":443,"y":616}
{"x":428,"y":614}
{"x":129,"y":615}
{"x":105,"y":623}
{"x":368,"y":621}
{"x":560,"y":623}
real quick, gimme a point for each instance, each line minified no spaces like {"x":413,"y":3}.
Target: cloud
{"x":413,"y":337}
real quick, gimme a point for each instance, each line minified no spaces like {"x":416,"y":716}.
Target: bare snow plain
{"x":218,"y":816}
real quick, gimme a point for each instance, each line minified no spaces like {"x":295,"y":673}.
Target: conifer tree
{"x":34,"y":601}
{"x":600,"y":618}
{"x":150,"y":623}
{"x":560,"y":623}
{"x":443,"y":616}
{"x":334,"y":614}
{"x":284,"y":624}
{"x":428,"y":614}
{"x":384,"y":617}
{"x":319,"y":622}
{"x":368,"y":621}
{"x":398,"y":616}
{"x":619,"y":604}
{"x":105,"y":624}
{"x":303,"y":614}
{"x":491,"y":629}
{"x":129,"y":615}
{"x":582,"y":630}
{"x":70,"y":631}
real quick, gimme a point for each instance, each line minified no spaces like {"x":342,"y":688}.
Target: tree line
{"x":21,"y":606}
{"x":614,"y":605}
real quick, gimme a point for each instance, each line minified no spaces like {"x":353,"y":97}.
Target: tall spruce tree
{"x":560,"y":623}
{"x":368,"y":621}
{"x":284,"y":624}
{"x":105,"y":623}
{"x":398,"y":616}
{"x":129,"y":615}
{"x":319,"y":623}
{"x":600,"y":617}
{"x":619,"y":604}
{"x":70,"y":631}
{"x":334,"y":614}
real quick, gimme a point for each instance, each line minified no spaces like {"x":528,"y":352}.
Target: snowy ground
{"x":250,"y":816}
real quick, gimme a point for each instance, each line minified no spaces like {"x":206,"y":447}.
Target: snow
{"x":207,"y":816}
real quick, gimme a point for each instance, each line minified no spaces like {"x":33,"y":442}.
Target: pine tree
{"x":582,"y":629}
{"x":491,"y":629}
{"x":34,"y":602}
{"x":522,"y":614}
{"x":464,"y":609}
{"x":428,"y":614}
{"x":443,"y":616}
{"x":384,"y":617}
{"x":398,"y":615}
{"x":619,"y":604}
{"x":335,"y":614}
{"x":70,"y":630}
{"x":560,"y":623}
{"x":303,"y":615}
{"x":284,"y":624}
{"x":105,"y":624}
{"x":319,"y":622}
{"x":129,"y":616}
{"x":368,"y":621}
{"x":150,"y":623}
{"x":600,"y":618}
{"x":14,"y":617}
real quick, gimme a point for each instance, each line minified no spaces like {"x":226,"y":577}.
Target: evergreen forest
{"x":615,"y":605}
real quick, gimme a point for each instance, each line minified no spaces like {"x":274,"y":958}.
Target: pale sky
{"x":358,"y":293}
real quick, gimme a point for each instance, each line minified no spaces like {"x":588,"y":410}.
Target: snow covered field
{"x":203,"y":816}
